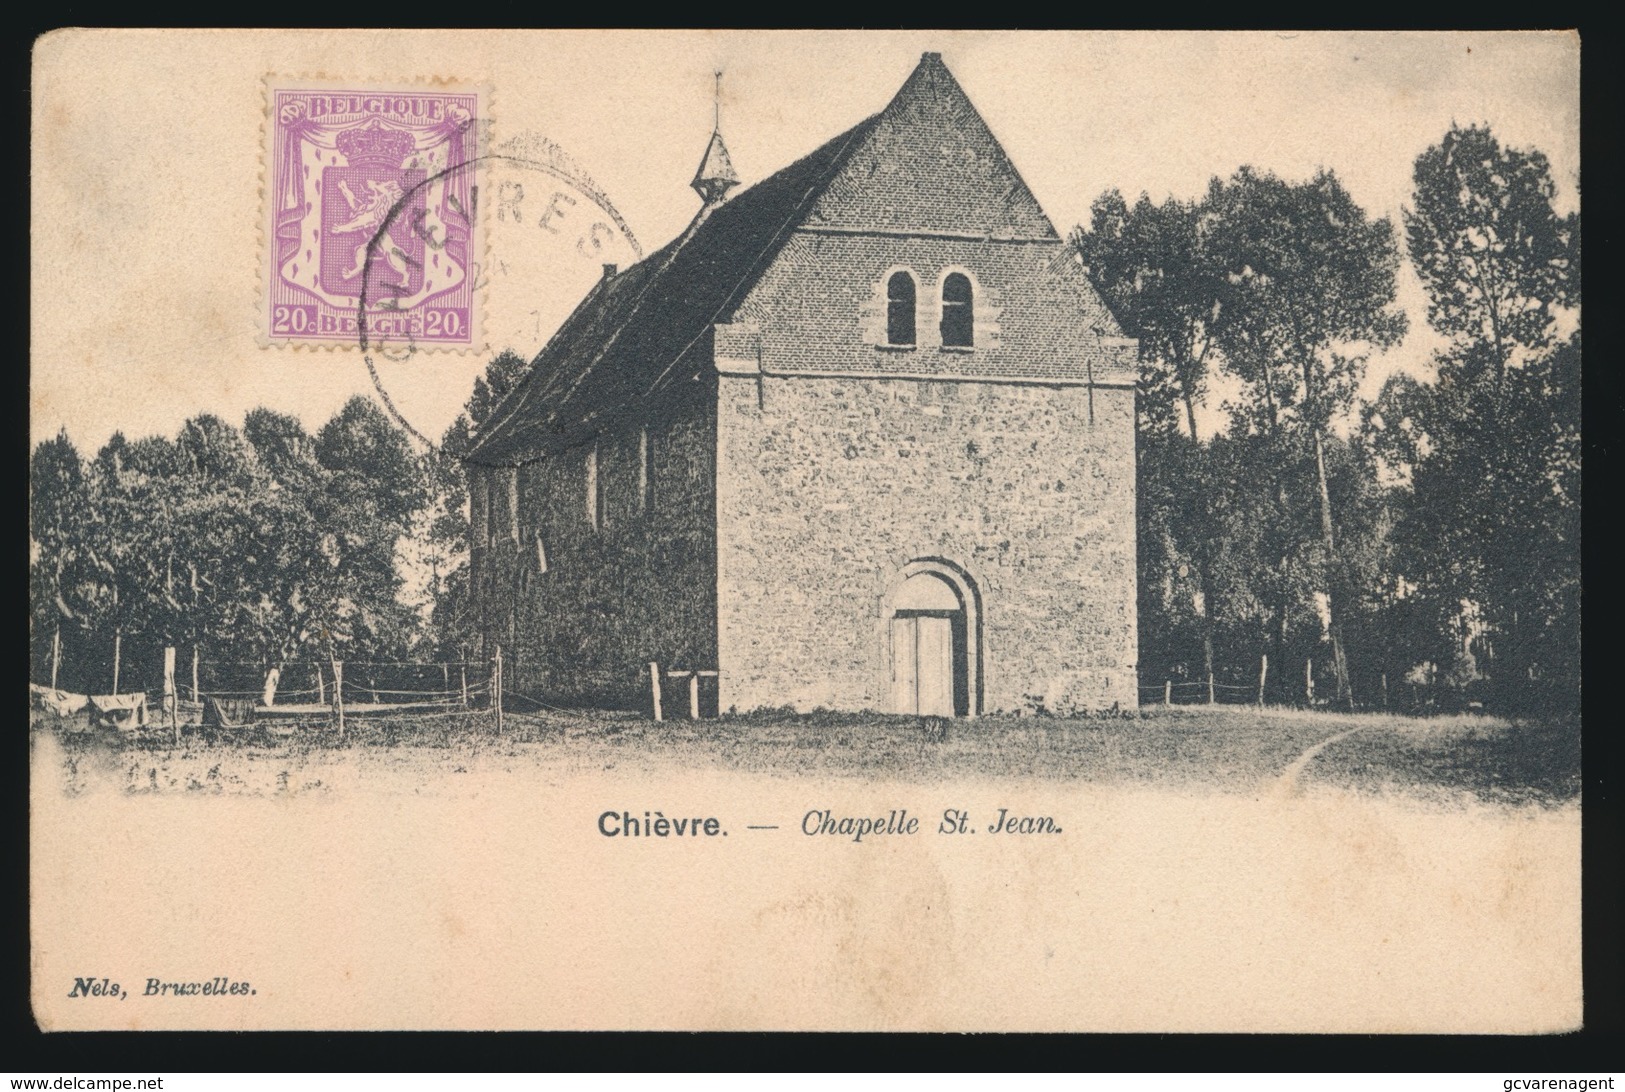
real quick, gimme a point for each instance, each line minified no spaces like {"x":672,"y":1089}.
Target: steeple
{"x":716,"y":175}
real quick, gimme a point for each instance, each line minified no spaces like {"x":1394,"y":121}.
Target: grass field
{"x":1217,"y":748}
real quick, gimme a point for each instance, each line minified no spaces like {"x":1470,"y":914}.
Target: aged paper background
{"x":485,"y":898}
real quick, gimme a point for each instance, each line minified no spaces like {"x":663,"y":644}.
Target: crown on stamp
{"x":372,"y":145}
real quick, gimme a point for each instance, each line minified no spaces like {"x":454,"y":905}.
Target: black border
{"x":1592,"y":1049}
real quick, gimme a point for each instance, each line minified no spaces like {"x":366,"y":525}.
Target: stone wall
{"x":828,"y":488}
{"x":639,"y":586}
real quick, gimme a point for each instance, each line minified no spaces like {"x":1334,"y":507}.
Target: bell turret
{"x":716,"y":175}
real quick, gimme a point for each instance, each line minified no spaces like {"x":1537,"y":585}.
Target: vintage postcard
{"x":948,"y":531}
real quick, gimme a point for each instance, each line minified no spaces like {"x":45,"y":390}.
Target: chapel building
{"x":861,"y":438}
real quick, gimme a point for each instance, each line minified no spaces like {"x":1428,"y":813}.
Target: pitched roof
{"x":926,"y":163}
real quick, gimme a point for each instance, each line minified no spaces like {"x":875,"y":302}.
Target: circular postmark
{"x":548,"y":231}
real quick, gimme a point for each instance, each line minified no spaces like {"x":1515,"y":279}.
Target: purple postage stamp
{"x":370,"y":196}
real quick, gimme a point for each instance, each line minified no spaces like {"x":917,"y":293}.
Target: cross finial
{"x":716,"y":104}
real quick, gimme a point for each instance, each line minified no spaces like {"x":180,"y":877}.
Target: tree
{"x":263,"y":543}
{"x":1311,"y":288}
{"x":445,"y":534}
{"x":326,"y":514}
{"x":1488,"y":452}
{"x":1153,"y":266}
{"x":56,"y":510}
{"x":1492,"y":252}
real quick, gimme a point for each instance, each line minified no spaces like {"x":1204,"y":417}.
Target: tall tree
{"x":327,"y":518}
{"x":1311,"y":292}
{"x":1153,"y":265}
{"x":1489,"y":450}
{"x":1492,"y":252}
{"x":1156,"y":272}
{"x":445,"y":538}
{"x":57,"y":508}
{"x":263,"y":543}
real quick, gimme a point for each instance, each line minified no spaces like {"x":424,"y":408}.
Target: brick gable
{"x":930,"y":164}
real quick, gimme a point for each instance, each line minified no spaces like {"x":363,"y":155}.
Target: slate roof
{"x":632,"y":330}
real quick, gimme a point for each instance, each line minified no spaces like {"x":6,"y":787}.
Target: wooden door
{"x":922,"y":665}
{"x":904,"y":688}
{"x":934,"y":666}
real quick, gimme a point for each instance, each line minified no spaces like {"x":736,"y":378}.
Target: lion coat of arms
{"x":372,"y":215}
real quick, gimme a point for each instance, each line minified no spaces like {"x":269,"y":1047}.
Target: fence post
{"x":654,"y":686}
{"x":321,"y":684}
{"x":195,"y":695}
{"x":1167,"y":691}
{"x":445,"y":681}
{"x":694,"y":696}
{"x":496,"y":687}
{"x":118,"y":636}
{"x":1309,"y":681}
{"x":1210,"y":700}
{"x":717,"y":675}
{"x":56,"y":653}
{"x":1385,"y":691}
{"x":170,"y":703}
{"x":462,"y":671}
{"x":338,"y":693}
{"x":1263,"y":673}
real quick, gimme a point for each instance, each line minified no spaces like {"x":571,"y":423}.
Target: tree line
{"x":258,"y":546}
{"x":1425,"y":538}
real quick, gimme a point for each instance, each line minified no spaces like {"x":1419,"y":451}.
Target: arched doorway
{"x":931,"y":646}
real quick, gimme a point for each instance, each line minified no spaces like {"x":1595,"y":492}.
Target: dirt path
{"x":1287,"y":783}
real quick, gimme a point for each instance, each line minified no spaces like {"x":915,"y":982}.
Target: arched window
{"x":900,"y":309}
{"x":958,"y":325}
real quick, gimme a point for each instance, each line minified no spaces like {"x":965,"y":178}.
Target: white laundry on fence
{"x":59,"y":702}
{"x":122,"y":711}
